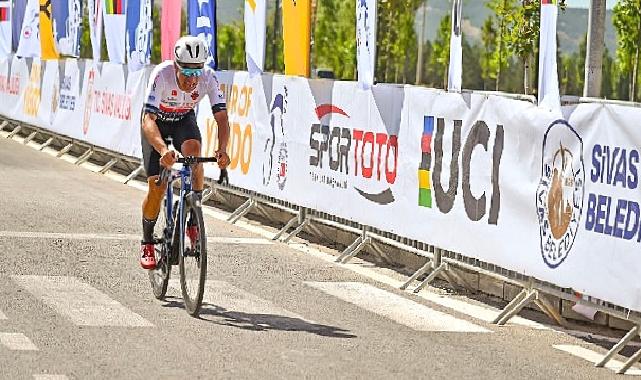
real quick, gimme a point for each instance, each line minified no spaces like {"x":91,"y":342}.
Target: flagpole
{"x":594,"y":52}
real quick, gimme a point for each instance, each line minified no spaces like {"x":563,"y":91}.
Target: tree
{"x":523,"y":37}
{"x":627,"y":23}
{"x":440,"y":58}
{"x":497,"y":28}
{"x":335,"y":37}
{"x":488,"y":63}
{"x":231,"y":46}
{"x":396,"y":40}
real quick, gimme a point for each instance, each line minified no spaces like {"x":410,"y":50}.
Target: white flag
{"x":365,"y":42}
{"x":95,"y":28}
{"x":29,"y":45}
{"x":255,"y":14}
{"x":548,"y":76}
{"x":455,"y":69}
{"x":5,"y":28}
{"x":115,"y":14}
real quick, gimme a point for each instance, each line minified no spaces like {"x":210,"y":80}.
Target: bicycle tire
{"x":196,"y":253}
{"x":159,"y":277}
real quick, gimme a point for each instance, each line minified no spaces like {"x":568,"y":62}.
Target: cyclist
{"x":174,"y":89}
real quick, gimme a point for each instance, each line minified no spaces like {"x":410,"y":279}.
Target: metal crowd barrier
{"x":440,"y":262}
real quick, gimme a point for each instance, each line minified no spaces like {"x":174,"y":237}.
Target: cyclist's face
{"x":188,"y":76}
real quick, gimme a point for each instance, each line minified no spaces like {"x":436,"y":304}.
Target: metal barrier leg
{"x":30,"y":137}
{"x":134,"y":174}
{"x":296,"y":230}
{"x":65,"y":150}
{"x":626,"y":366}
{"x":242,"y":210}
{"x":287,"y":226}
{"x":510,"y":305}
{"x":423,"y":269}
{"x":550,"y":310}
{"x":354,"y":248}
{"x":513,"y":309}
{"x":14,"y":132}
{"x":359,"y":247}
{"x":619,"y":346}
{"x":47,"y":143}
{"x":108,"y":166}
{"x":431,"y":277}
{"x":207,"y":193}
{"x":4,"y":124}
{"x":84,"y":157}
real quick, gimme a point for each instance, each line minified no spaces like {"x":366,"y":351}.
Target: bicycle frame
{"x":184,"y":174}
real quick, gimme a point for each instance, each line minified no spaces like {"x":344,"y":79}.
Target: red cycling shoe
{"x":192,"y":234}
{"x":148,"y":256}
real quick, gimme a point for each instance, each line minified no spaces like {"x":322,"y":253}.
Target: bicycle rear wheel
{"x":193,"y":258}
{"x":159,"y":277}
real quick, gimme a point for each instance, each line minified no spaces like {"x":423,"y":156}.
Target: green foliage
{"x":440,"y":57}
{"x":396,"y":41}
{"x":627,"y":23}
{"x":334,"y":44}
{"x":496,"y":33}
{"x":231,"y":47}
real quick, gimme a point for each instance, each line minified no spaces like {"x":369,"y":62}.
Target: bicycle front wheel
{"x":193,"y":258}
{"x":159,"y":277}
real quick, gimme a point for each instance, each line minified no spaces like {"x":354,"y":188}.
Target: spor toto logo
{"x":559,"y":197}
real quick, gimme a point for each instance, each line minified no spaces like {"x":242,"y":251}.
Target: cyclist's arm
{"x":152,"y":133}
{"x":223,"y":129}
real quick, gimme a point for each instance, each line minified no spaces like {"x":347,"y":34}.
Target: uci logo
{"x":559,"y":197}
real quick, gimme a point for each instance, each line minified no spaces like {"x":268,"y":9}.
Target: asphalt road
{"x":75,"y":304}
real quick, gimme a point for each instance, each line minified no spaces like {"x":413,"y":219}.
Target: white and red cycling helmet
{"x":190,"y":50}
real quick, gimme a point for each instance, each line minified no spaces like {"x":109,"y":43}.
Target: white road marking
{"x":17,"y":342}
{"x":231,"y":299}
{"x":79,"y":302}
{"x":484,"y":313}
{"x":594,"y":357}
{"x":107,"y":236}
{"x":395,"y":307}
{"x":50,"y":377}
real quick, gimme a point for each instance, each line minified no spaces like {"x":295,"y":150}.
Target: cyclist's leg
{"x":153,"y":198}
{"x":188,"y":141}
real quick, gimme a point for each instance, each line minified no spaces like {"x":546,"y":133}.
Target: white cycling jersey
{"x":164,"y":98}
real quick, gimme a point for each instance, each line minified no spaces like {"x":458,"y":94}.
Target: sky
{"x":586,"y":3}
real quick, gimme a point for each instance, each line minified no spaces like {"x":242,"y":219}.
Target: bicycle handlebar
{"x":191,"y":160}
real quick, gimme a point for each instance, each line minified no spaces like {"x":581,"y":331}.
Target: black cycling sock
{"x":148,"y":230}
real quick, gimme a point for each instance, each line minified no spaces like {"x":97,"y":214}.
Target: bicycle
{"x":183,"y":238}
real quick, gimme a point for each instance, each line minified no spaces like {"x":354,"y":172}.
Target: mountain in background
{"x":571,"y":28}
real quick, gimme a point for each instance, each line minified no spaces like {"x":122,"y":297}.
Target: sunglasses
{"x":191,"y":72}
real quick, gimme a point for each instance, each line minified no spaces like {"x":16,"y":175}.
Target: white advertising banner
{"x":248,"y":122}
{"x":255,"y":14}
{"x":9,"y":87}
{"x":112,"y":115}
{"x":50,"y":90}
{"x":14,"y":92}
{"x":31,"y":98}
{"x":69,"y":113}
